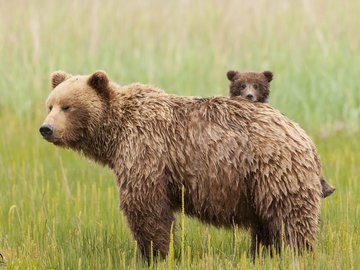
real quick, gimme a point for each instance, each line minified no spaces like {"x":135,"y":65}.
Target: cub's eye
{"x":50,"y":108}
{"x":243,"y":86}
{"x":65,"y":108}
{"x":256,"y":86}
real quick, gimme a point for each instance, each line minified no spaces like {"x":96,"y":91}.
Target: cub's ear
{"x":268,"y":75}
{"x":231,"y":74}
{"x":58,"y":77}
{"x":99,"y":81}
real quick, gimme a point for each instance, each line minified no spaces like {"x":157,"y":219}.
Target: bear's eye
{"x":50,"y":108}
{"x":65,"y":108}
{"x":243,"y":86}
{"x":256,"y":86}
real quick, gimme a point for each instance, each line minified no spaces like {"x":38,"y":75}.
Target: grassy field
{"x":60,"y":211}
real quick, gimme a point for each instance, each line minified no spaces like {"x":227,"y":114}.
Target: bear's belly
{"x":214,"y":199}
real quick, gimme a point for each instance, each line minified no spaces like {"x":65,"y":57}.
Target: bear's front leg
{"x":260,"y":235}
{"x":150,"y":220}
{"x":149,"y":229}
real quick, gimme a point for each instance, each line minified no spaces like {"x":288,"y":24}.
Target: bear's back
{"x":229,"y":154}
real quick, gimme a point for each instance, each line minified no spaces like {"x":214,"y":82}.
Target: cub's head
{"x":76,"y":106}
{"x":250,"y":85}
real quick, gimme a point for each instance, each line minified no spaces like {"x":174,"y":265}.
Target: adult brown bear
{"x":239,"y":162}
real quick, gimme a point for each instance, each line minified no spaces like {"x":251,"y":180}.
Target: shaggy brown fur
{"x":255,"y":87}
{"x":239,"y":162}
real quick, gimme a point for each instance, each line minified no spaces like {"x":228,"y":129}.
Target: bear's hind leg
{"x":298,"y":232}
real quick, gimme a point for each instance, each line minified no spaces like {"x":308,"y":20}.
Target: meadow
{"x":60,"y":211}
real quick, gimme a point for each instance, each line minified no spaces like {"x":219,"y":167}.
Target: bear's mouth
{"x":56,"y":142}
{"x":48,"y":138}
{"x":52,"y":139}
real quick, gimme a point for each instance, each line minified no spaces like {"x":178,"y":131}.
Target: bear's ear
{"x":231,"y":74}
{"x":58,"y":77}
{"x":99,"y":81}
{"x":268,"y":75}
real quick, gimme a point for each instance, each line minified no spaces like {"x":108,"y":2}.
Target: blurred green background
{"x":58,"y":210}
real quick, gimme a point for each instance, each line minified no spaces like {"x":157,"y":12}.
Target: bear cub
{"x":252,"y":86}
{"x":255,"y":87}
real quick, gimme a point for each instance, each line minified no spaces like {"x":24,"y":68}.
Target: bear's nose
{"x":46,"y":130}
{"x":249,"y":96}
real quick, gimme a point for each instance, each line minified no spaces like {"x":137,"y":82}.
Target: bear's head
{"x":253,"y":86}
{"x":76,"y":107}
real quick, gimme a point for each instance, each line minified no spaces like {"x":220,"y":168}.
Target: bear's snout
{"x":249,"y":96}
{"x":46,"y":130}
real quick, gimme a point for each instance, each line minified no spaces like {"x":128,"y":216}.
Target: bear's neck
{"x":102,"y":144}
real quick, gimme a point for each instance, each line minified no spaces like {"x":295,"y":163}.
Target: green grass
{"x":60,"y":211}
